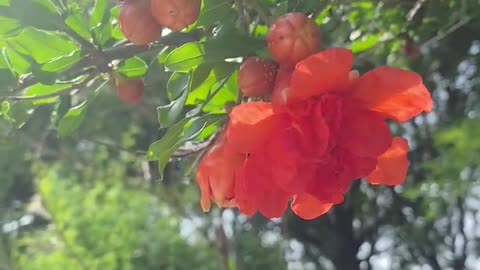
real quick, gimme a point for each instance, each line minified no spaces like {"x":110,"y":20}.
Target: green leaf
{"x":99,"y":14}
{"x":104,"y":33}
{"x":117,"y":33}
{"x":163,"y":149}
{"x":133,"y":68}
{"x":227,"y":93}
{"x":183,"y":131}
{"x":62,"y":63}
{"x":365,"y":43}
{"x":324,"y":16}
{"x":4,"y":60}
{"x":228,"y":45}
{"x":39,"y":90}
{"x":77,"y":22}
{"x":18,"y":63}
{"x":72,"y":120}
{"x":177,"y":85}
{"x":41,"y":14}
{"x":169,"y":114}
{"x":195,"y":127}
{"x":42,"y":46}
{"x":9,"y":27}
{"x":200,"y":74}
{"x":178,"y":89}
{"x":213,"y":11}
{"x":217,"y":74}
{"x":7,"y":77}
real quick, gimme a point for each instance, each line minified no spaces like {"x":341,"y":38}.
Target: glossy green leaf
{"x":42,"y":46}
{"x":227,"y":93}
{"x":216,"y":75}
{"x":99,"y":14}
{"x":103,"y":34}
{"x":39,"y":90}
{"x":60,"y":64}
{"x":18,"y":62}
{"x":78,"y":23}
{"x":4,"y":60}
{"x":228,"y":45}
{"x":177,"y":85}
{"x":72,"y":120}
{"x":169,"y":114}
{"x":163,"y":149}
{"x":133,"y":68}
{"x":117,"y":33}
{"x":9,"y":27}
{"x":183,"y":131}
{"x":41,"y":14}
{"x":200,"y":74}
{"x":213,"y":11}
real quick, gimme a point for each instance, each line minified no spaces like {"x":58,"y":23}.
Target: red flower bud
{"x":256,"y":77}
{"x":176,"y":14}
{"x":292,"y":38}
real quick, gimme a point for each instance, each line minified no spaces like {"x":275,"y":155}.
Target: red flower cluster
{"x":324,"y":129}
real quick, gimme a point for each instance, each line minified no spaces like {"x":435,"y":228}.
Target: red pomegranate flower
{"x":324,"y":129}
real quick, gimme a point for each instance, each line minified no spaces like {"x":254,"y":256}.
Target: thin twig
{"x":120,"y":52}
{"x":411,"y":14}
{"x":85,"y":44}
{"x":51,"y":95}
{"x":115,"y":147}
{"x":450,"y":30}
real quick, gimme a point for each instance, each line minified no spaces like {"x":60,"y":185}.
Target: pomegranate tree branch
{"x":174,"y":39}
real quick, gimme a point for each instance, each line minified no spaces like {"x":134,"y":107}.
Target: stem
{"x":56,"y":94}
{"x":175,"y":39}
{"x":85,"y":44}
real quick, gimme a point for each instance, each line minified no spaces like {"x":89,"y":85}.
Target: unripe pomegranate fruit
{"x":176,"y":14}
{"x":292,"y":38}
{"x":130,"y":91}
{"x":137,"y":23}
{"x":256,"y":77}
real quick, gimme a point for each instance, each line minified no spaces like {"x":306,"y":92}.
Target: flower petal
{"x":216,"y":176}
{"x":308,"y":207}
{"x":364,"y":133}
{"x":392,"y":166}
{"x":250,"y":126}
{"x":260,"y":190}
{"x":398,"y":94}
{"x":320,"y":73}
{"x":281,"y":89}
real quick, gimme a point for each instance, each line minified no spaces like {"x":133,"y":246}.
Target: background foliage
{"x":79,"y":175}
